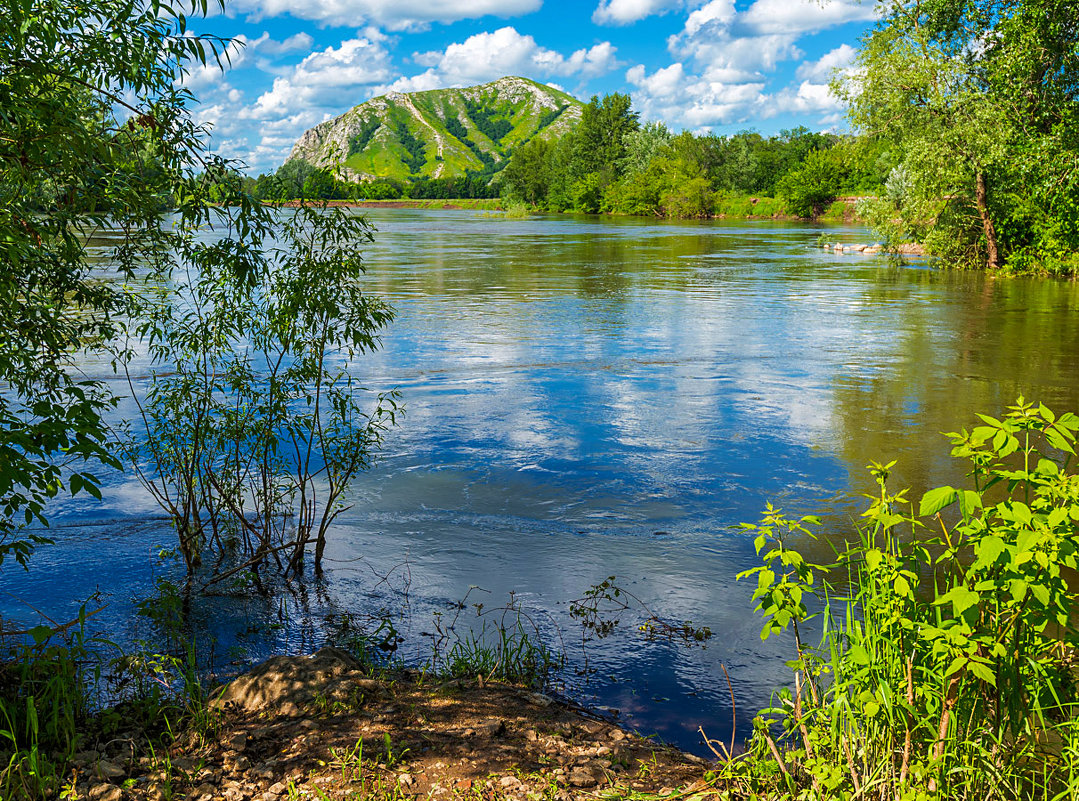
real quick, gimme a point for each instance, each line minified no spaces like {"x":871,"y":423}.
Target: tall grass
{"x":947,"y":668}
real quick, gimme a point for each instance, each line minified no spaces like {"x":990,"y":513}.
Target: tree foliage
{"x":96,"y":141}
{"x":94,"y":136}
{"x":980,"y":100}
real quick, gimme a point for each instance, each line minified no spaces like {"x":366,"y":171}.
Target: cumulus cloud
{"x":724,"y":60}
{"x":211,"y":75}
{"x":296,"y":43}
{"x":821,"y":70}
{"x":803,"y":16}
{"x":391,"y":14}
{"x":333,"y":78}
{"x":490,"y":55}
{"x":623,"y":12}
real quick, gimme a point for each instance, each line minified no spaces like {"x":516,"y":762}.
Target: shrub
{"x":945,"y":671}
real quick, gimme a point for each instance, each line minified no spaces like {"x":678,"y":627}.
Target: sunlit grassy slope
{"x":438,"y":133}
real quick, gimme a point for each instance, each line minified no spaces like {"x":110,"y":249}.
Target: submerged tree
{"x":96,"y":141}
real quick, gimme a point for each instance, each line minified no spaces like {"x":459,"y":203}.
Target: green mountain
{"x":438,"y":133}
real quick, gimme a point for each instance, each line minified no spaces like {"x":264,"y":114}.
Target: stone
{"x":108,"y":770}
{"x":106,"y":792}
{"x":237,"y":741}
{"x":592,"y":727}
{"x":285,"y":681}
{"x":509,"y":782}
{"x":582,"y":777}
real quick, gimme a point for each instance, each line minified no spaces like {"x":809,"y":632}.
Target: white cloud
{"x":821,"y":70}
{"x":392,"y":14}
{"x":804,"y":16}
{"x":297,"y":42}
{"x":721,"y":11}
{"x":723,"y":60}
{"x":490,"y":55}
{"x":623,"y":12}
{"x":334,"y":79}
{"x":211,"y":75}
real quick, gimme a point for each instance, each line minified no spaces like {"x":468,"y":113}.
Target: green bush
{"x":811,"y":186}
{"x":946,"y":671}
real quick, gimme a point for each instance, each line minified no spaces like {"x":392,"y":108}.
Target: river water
{"x":589,"y":398}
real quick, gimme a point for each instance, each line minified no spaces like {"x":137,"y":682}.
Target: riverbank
{"x":324,"y":727}
{"x":478,"y":204}
{"x":726,"y":208}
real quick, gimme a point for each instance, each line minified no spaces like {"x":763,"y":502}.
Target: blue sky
{"x":718,"y":65}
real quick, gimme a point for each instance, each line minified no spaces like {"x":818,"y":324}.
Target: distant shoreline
{"x":483,"y":204}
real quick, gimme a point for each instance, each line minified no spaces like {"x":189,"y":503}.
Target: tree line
{"x":612,"y":163}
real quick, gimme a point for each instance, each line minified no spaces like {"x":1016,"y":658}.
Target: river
{"x":610,"y":397}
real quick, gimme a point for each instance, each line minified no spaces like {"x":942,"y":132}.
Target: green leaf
{"x":969,"y":500}
{"x":902,"y":587}
{"x":937,"y":499}
{"x":961,"y":598}
{"x":873,"y":559}
{"x":987,"y":551}
{"x":982,"y":672}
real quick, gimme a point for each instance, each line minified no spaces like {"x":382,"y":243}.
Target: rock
{"x":237,"y":742}
{"x":492,"y":728}
{"x":276,"y":789}
{"x":237,"y":763}
{"x":592,"y":727}
{"x":406,"y":780}
{"x":530,"y":735}
{"x":106,"y":792}
{"x":108,"y":770}
{"x":285,"y":681}
{"x":509,"y":782}
{"x":582,"y":777}
{"x":204,"y":792}
{"x":617,"y":735}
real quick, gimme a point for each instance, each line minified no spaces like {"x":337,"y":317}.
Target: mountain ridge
{"x":438,"y":133}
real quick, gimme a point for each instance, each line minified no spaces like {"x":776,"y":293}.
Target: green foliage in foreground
{"x":947,"y":665}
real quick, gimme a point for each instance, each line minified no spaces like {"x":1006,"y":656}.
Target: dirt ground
{"x":319,"y":727}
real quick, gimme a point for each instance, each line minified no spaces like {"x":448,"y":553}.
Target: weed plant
{"x":947,"y":668}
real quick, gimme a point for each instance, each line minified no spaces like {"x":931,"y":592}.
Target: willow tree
{"x":97,"y":142}
{"x":979,"y":99}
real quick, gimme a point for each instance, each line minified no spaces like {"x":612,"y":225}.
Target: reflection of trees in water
{"x":969,"y":344}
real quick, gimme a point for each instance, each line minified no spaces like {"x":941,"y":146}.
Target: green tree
{"x":812,"y":185}
{"x":94,"y":135}
{"x":600,"y":140}
{"x":980,"y":99}
{"x":527,"y":176}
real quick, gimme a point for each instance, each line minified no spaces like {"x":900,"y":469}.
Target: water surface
{"x":590,"y":397}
